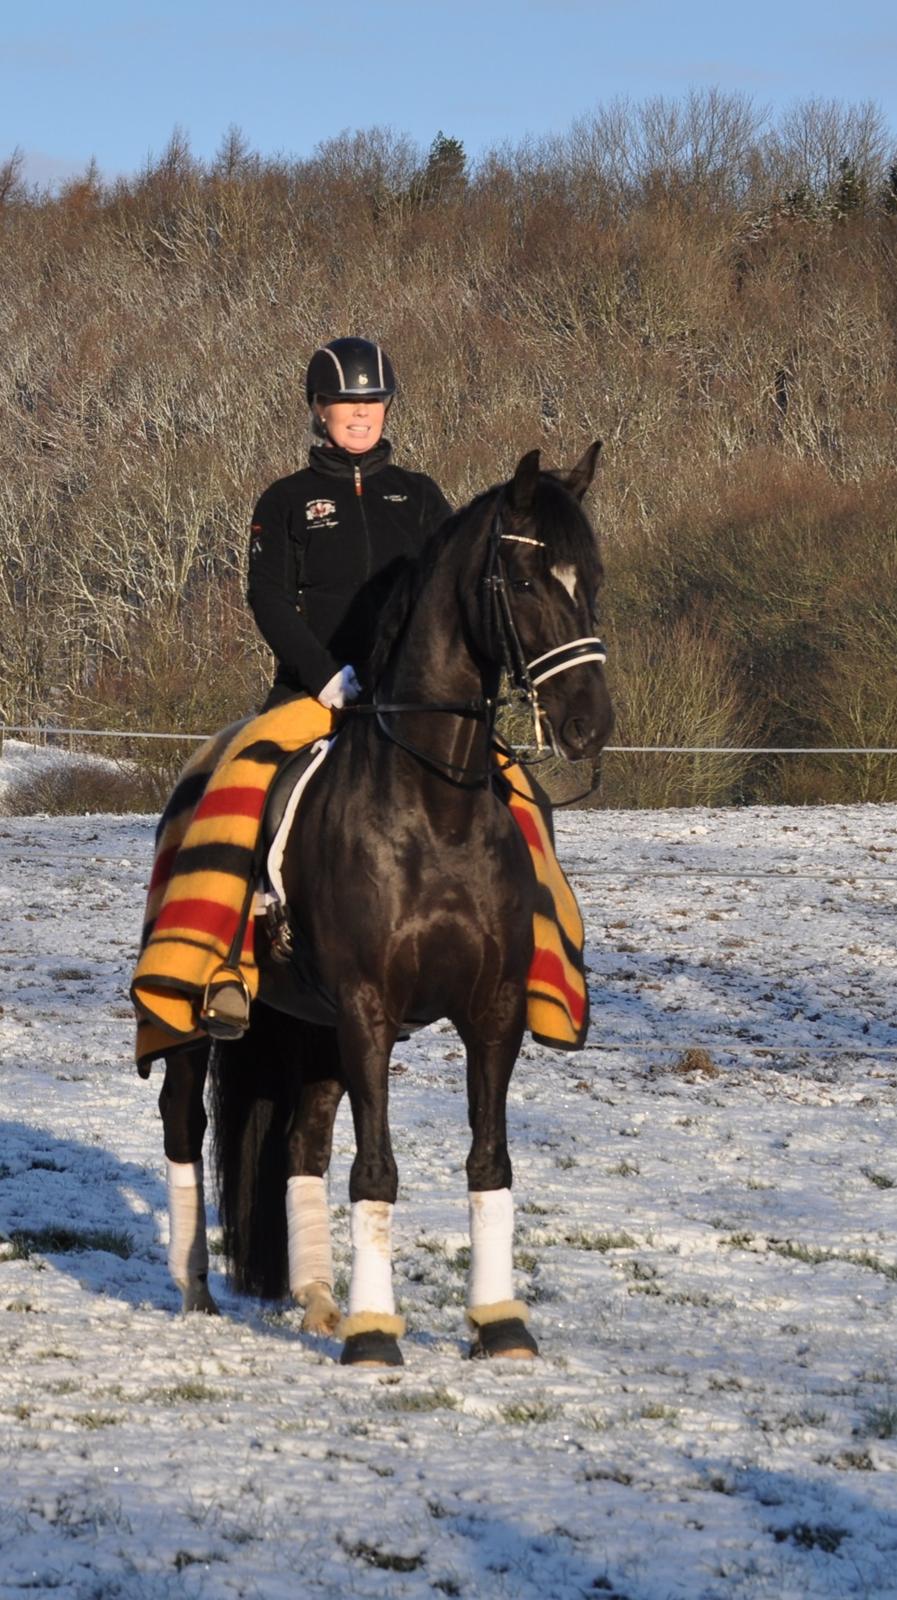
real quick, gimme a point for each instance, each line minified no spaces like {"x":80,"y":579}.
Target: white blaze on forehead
{"x":567,"y":576}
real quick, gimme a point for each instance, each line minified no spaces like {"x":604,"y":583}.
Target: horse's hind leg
{"x":498,"y":1319}
{"x":184,"y":1124}
{"x":308,"y":1156}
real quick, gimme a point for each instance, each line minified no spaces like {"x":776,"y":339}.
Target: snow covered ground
{"x":709,"y":1254}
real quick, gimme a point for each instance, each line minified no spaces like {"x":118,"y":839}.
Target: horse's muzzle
{"x":584,"y":736}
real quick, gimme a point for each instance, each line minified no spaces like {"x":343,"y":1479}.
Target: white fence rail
{"x":47,"y":732}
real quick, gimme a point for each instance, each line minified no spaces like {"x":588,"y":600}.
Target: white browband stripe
{"x":520,"y":538}
{"x":564,"y":666}
{"x":561,"y":649}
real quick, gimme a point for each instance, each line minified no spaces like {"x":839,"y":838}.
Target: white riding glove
{"x":342,"y":689}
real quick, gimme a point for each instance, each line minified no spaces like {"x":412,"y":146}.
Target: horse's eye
{"x":521,"y":586}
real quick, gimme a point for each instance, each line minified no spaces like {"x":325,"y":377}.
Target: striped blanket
{"x":207,"y":864}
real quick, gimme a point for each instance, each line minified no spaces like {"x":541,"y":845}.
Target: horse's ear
{"x":523,"y":483}
{"x":580,"y":476}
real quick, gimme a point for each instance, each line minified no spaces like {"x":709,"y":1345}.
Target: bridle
{"x":527,"y":676}
{"x":506,"y":648}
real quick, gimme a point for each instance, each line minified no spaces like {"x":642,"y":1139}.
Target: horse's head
{"x":544,"y":574}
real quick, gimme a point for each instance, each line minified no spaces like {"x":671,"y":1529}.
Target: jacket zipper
{"x":359,"y":491}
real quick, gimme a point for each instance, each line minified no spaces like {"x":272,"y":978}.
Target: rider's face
{"x":354,"y":425}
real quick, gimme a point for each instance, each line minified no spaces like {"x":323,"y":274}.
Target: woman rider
{"x":328,"y":541}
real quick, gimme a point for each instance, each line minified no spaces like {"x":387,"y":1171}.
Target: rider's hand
{"x":343,"y":688}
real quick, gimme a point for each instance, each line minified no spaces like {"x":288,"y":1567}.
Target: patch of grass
{"x":878,"y":1179}
{"x":624,"y":1169}
{"x":695,"y":1061}
{"x":583,"y":1239}
{"x":881,"y":1422}
{"x":789,"y":1420}
{"x":812,"y":1537}
{"x":94,"y":1419}
{"x":818,"y":1255}
{"x":186,"y":1558}
{"x":525,"y":1412}
{"x":850,"y":1461}
{"x":655,"y":1412}
{"x":530,"y":1208}
{"x":421,"y":1400}
{"x":67,"y":1241}
{"x":190,"y":1390}
{"x":386,"y":1560}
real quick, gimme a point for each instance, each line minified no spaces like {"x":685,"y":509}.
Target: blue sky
{"x":82,"y":78}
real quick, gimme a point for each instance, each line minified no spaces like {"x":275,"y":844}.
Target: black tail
{"x":254,"y":1089}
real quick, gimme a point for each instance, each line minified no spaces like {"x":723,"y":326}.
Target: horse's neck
{"x":433,"y":665}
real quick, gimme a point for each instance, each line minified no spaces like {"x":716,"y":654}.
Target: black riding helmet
{"x":350,"y":369}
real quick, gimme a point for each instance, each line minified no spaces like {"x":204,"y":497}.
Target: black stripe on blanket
{"x":546,"y":907}
{"x":186,"y":797}
{"x":233,"y":858}
{"x":266,"y":752}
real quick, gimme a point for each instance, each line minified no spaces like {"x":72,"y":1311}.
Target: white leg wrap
{"x":308,"y":1233}
{"x":371,"y":1286}
{"x":491,"y":1246}
{"x":188,"y":1253}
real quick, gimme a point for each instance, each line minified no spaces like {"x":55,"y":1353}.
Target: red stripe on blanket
{"x":547,"y":968}
{"x":162,"y":866}
{"x":234,"y":801}
{"x":201,"y":916}
{"x":528,"y":826}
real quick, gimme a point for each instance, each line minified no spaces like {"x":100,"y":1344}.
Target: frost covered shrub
{"x":675,"y":686}
{"x":74,"y":787}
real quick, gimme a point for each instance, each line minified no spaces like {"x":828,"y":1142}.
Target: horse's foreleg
{"x":184,"y":1124}
{"x":498,"y":1319}
{"x":308,"y":1221}
{"x":372,"y":1328}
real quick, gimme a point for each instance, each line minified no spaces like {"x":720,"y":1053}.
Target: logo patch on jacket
{"x":318,"y":510}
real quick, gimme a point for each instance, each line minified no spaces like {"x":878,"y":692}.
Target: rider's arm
{"x":273,"y":595}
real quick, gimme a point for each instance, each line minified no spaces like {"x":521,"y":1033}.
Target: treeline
{"x":713,"y":294}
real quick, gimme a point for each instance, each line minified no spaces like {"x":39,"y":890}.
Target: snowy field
{"x":707,"y":1244}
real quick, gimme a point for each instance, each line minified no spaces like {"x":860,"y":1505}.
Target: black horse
{"x":410,"y":884}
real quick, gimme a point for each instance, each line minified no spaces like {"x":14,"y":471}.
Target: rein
{"x":526,"y":676}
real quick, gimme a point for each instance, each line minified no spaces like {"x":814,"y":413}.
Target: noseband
{"x":527,"y":676}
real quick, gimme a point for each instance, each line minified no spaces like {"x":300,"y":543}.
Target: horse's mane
{"x":559,"y":518}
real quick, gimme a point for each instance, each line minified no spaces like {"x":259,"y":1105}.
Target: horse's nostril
{"x":577,"y":733}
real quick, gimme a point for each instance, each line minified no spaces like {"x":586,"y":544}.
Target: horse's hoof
{"x":196,"y":1297}
{"x":322,"y":1314}
{"x":510,"y":1339}
{"x":371,"y":1349}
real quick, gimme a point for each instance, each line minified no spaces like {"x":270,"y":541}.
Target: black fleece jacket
{"x":327,"y":544}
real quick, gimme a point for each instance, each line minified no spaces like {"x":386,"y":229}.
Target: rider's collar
{"x":334,"y":462}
